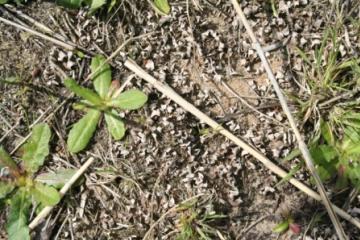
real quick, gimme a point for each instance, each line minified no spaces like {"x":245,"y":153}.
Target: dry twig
{"x":42,"y":215}
{"x":36,"y":33}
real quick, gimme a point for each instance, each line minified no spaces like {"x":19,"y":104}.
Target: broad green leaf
{"x":44,"y":194}
{"x":350,"y":143}
{"x":96,"y":4}
{"x":36,"y":148}
{"x":348,"y":139}
{"x":56,"y":179}
{"x":353,"y":149}
{"x":352,"y":123}
{"x":328,"y":152}
{"x":111,"y":5}
{"x":3,"y":1}
{"x":102,"y":78}
{"x":7,"y":161}
{"x":82,"y":131}
{"x":354,"y":175}
{"x":85,"y":93}
{"x":70,"y":3}
{"x":5,"y":189}
{"x":129,"y":100}
{"x":323,"y":154}
{"x":161,"y":6}
{"x":281,"y":227}
{"x":352,"y":115}
{"x":114,"y":124}
{"x":17,"y":227}
{"x":324,"y":173}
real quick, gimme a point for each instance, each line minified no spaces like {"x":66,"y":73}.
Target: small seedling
{"x":196,"y":224}
{"x":105,"y":100}
{"x":334,"y":157}
{"x":340,"y":158}
{"x":287,"y":224}
{"x":18,"y":187}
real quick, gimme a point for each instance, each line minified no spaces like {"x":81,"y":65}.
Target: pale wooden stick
{"x":170,"y":93}
{"x":43,"y":214}
{"x":302,"y":146}
{"x":37,"y":24}
{"x":67,"y":45}
{"x":36,"y":33}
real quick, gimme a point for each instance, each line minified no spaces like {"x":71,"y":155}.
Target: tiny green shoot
{"x":196,"y":224}
{"x":285,"y":225}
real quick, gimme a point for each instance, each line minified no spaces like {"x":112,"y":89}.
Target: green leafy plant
{"x":106,"y":100}
{"x":160,"y":6}
{"x":340,"y":158}
{"x":325,"y":75}
{"x":196,"y":224}
{"x":327,"y":105}
{"x":18,"y":185}
{"x":336,"y":158}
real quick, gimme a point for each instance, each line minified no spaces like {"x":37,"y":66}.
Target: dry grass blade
{"x":42,"y":215}
{"x":171,"y":210}
{"x":302,"y":146}
{"x":170,"y":93}
{"x":37,"y":24}
{"x":36,"y":33}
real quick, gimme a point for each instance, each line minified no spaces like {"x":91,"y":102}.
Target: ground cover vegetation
{"x":162,"y":156}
